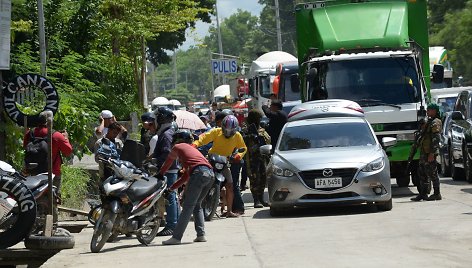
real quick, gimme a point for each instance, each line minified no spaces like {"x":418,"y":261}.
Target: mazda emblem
{"x":327,"y":172}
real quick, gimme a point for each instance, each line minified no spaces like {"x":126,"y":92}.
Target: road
{"x":413,"y":234}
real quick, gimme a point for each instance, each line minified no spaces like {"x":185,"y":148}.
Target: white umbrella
{"x":188,"y":120}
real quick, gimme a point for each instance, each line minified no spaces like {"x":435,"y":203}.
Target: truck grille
{"x":347,"y":174}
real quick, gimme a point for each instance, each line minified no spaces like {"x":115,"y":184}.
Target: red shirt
{"x":189,"y":157}
{"x":59,"y":144}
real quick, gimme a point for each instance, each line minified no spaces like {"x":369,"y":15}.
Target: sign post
{"x":5,"y":20}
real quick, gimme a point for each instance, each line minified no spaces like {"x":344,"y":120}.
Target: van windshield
{"x":367,"y":81}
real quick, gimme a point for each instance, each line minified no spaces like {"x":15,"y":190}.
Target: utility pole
{"x":175,"y":69}
{"x":277,"y":21}
{"x":42,"y":38}
{"x":220,"y":43}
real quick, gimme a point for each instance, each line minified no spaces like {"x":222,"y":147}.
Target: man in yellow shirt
{"x":225,"y":140}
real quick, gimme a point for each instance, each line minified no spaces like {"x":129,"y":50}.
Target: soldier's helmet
{"x":434,"y":106}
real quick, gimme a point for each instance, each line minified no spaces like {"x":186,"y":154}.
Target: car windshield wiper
{"x":374,"y":102}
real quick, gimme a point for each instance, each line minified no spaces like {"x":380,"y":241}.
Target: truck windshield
{"x":367,"y":81}
{"x":265,"y":86}
{"x":287,"y":92}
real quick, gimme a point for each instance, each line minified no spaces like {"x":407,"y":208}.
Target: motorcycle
{"x":129,"y":205}
{"x":212,"y":199}
{"x":24,"y":204}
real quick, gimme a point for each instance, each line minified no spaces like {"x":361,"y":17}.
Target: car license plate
{"x":328,"y":182}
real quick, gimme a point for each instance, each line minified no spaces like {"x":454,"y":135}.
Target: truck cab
{"x":370,"y":53}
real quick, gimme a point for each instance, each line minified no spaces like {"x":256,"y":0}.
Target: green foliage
{"x":455,"y":33}
{"x":74,"y":186}
{"x":14,"y":144}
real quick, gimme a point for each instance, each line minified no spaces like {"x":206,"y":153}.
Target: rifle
{"x":418,"y":137}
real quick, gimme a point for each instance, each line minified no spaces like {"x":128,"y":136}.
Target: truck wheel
{"x":456,"y":173}
{"x":468,"y":169}
{"x":403,"y":181}
{"x":385,"y":206}
{"x":62,"y":239}
{"x":445,"y":170}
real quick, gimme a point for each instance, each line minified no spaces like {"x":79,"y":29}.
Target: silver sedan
{"x":321,"y":161}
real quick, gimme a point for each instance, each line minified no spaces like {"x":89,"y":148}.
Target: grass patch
{"x":74,"y":186}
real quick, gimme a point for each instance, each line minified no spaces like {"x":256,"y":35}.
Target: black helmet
{"x":148,"y":117}
{"x":222,"y":114}
{"x":164,"y":115}
{"x":182,"y":136}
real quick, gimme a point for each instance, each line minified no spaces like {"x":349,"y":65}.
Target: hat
{"x":106,"y":114}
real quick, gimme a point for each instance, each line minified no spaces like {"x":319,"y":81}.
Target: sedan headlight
{"x":374,"y":165}
{"x":282,"y":172}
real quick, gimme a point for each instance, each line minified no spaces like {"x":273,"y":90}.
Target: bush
{"x":74,"y":186}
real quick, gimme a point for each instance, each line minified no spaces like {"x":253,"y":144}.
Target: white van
{"x":446,"y":97}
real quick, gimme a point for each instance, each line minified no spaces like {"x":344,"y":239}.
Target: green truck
{"x":375,"y":53}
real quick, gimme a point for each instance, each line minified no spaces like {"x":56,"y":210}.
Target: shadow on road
{"x":320,"y":212}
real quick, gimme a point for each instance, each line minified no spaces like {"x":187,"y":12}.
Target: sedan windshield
{"x":326,"y":135}
{"x":369,"y":82}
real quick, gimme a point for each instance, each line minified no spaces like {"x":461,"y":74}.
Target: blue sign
{"x":224,"y":66}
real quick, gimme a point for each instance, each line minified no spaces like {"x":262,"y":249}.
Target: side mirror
{"x":388,"y":141}
{"x":251,"y":86}
{"x":456,"y":115}
{"x":295,"y":83}
{"x":438,"y":73}
{"x":265,"y":149}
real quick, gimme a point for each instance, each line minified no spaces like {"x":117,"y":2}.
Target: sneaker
{"x":200,"y":239}
{"x":171,"y":241}
{"x":434,"y":197}
{"x":165,"y":232}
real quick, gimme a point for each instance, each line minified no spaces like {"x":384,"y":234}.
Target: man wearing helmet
{"x":225,"y":140}
{"x":429,"y":149}
{"x":164,"y":118}
{"x":198,"y":175}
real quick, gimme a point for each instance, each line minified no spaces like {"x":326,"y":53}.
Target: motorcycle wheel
{"x":149,"y":232}
{"x":102,"y":231}
{"x":210,"y":202}
{"x":16,"y":223}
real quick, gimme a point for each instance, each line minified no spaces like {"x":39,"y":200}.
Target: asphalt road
{"x":413,"y":234}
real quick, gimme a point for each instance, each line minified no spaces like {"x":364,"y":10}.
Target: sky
{"x":225,"y":9}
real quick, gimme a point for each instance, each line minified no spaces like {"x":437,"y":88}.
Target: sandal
{"x":231,"y":215}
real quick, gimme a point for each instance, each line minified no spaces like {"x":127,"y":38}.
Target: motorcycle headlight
{"x":406,"y":137}
{"x":282,"y":172}
{"x":219,"y":166}
{"x":374,"y":165}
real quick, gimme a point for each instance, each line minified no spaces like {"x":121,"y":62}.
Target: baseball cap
{"x":106,"y":114}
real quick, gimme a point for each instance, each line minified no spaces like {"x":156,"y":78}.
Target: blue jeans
{"x":238,"y":204}
{"x":200,"y":182}
{"x":172,"y":209}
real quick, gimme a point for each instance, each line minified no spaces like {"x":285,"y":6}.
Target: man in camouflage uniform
{"x":255,"y":136}
{"x":429,"y":149}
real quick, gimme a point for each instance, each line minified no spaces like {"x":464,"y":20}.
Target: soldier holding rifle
{"x":428,"y":143}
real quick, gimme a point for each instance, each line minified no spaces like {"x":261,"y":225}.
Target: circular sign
{"x":21,"y":83}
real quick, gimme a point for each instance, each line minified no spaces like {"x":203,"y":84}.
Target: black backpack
{"x":37,"y":152}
